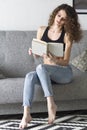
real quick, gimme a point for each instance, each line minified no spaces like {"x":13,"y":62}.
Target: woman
{"x":63,"y":26}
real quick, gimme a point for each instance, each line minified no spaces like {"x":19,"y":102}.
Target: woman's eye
{"x":58,"y":15}
{"x":63,"y":19}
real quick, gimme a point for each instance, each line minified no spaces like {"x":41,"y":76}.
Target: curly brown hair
{"x":72,"y":25}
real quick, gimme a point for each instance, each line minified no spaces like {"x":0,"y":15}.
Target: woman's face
{"x":60,"y":18}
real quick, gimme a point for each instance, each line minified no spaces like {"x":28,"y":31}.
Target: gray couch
{"x":15,"y":63}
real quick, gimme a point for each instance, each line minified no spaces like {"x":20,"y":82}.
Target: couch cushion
{"x":14,"y":58}
{"x":11,"y":89}
{"x":77,"y":89}
{"x":15,"y":61}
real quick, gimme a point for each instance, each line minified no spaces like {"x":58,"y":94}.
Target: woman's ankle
{"x":26,"y":111}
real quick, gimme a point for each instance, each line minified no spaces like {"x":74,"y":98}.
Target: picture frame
{"x":80,"y":6}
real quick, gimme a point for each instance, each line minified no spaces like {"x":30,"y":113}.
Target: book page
{"x":39,"y":47}
{"x":56,"y":49}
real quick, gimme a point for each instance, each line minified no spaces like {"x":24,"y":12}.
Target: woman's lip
{"x":58,"y":22}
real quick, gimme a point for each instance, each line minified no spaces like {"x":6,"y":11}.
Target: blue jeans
{"x":43,"y":76}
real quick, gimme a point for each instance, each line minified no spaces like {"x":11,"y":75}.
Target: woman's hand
{"x":46,"y":59}
{"x":49,"y":59}
{"x":30,"y":53}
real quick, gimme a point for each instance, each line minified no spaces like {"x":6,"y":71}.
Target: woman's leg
{"x":26,"y":117}
{"x":52,"y":108}
{"x":45,"y":81}
{"x":30,"y":80}
{"x":59,"y":74}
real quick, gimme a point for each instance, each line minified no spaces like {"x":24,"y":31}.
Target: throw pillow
{"x":81,"y":61}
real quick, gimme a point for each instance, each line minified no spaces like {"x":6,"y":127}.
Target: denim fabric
{"x":43,"y":76}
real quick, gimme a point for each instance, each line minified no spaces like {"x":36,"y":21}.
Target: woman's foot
{"x":25,"y":121}
{"x":52,"y":113}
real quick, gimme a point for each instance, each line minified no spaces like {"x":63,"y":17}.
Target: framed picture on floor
{"x":80,"y":6}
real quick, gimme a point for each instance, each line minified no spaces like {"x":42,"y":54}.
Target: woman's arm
{"x":40,"y":32}
{"x":61,"y":60}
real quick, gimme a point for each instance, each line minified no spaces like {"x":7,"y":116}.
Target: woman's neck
{"x":55,"y":29}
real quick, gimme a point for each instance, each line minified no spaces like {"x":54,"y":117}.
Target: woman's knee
{"x":30,"y":75}
{"x":39,"y":67}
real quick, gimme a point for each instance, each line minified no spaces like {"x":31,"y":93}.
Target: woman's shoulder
{"x":40,"y":31}
{"x":42,"y":28}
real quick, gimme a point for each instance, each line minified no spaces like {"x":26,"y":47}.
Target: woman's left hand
{"x":49,"y":59}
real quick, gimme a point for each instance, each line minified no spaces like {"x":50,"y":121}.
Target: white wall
{"x":83,"y":21}
{"x":28,"y":14}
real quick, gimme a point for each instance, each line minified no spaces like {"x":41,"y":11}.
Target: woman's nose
{"x":59,"y":19}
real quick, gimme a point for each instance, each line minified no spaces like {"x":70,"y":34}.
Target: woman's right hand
{"x":30,"y":51}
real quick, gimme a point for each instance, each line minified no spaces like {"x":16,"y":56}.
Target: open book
{"x":40,"y":47}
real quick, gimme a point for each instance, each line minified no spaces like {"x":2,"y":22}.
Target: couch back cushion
{"x":14,"y":58}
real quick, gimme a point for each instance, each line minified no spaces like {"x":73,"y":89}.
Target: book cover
{"x":40,"y":47}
